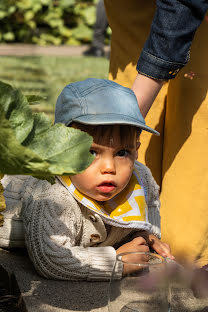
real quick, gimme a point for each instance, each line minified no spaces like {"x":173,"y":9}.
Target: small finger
{"x":140,"y":240}
{"x":166,"y":251}
{"x":168,"y":255}
{"x":163,"y":249}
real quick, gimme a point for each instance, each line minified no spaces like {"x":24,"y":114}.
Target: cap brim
{"x":109,"y":119}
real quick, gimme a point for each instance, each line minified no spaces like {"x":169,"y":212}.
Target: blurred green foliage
{"x":45,"y":22}
{"x":46,"y":76}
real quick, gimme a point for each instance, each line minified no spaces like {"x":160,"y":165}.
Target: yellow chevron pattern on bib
{"x":126,"y":209}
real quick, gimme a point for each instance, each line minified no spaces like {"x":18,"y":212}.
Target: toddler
{"x":75,"y":228}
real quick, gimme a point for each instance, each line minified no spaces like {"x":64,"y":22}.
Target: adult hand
{"x":146,"y":90}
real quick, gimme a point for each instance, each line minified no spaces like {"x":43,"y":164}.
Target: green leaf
{"x":66,"y":3}
{"x":64,"y":31}
{"x":48,"y":39}
{"x":50,"y":179}
{"x":35,"y":99}
{"x":9,"y":36}
{"x":29,"y":15}
{"x":17,"y":111}
{"x":46,"y":2}
{"x":89,"y":15}
{"x":82,"y":32}
{"x":72,"y":41}
{"x":47,"y":150}
{"x":24,"y":4}
{"x":2,"y":201}
{"x":2,"y":14}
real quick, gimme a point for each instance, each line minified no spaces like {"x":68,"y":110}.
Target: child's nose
{"x":108,"y":166}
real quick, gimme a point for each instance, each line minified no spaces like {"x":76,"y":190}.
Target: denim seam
{"x":139,"y":71}
{"x":124,"y":116}
{"x":163,"y":61}
{"x":75,"y":92}
{"x":91,"y":90}
{"x":103,"y":87}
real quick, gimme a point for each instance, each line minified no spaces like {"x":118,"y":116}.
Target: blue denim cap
{"x":99,"y":102}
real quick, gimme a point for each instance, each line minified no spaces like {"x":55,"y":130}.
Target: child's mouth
{"x":106,"y":187}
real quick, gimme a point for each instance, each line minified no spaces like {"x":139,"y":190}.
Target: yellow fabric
{"x":127,"y":207}
{"x":178,"y":158}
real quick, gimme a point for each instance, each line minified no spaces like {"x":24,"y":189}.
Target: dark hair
{"x":105,"y":134}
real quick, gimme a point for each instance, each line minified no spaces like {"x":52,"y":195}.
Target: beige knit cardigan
{"x":64,"y":239}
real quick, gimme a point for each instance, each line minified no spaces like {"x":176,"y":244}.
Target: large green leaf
{"x":35,"y":99}
{"x":17,"y":111}
{"x":2,"y":201}
{"x":30,"y":144}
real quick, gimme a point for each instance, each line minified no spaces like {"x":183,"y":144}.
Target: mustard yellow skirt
{"x":179,"y":157}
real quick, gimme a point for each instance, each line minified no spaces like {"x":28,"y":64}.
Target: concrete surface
{"x":40,"y":295}
{"x":37,"y":294}
{"x":34,"y":50}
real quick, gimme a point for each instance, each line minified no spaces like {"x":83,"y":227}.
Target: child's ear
{"x":137,"y":148}
{"x":138,"y":143}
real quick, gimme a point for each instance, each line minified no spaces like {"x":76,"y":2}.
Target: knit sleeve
{"x":153,"y":201}
{"x":53,"y":227}
{"x":12,"y":231}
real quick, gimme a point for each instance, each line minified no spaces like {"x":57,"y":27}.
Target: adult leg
{"x":184,"y":211}
{"x":185,"y":166}
{"x":100,"y":27}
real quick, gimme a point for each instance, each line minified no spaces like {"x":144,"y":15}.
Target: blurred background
{"x":52,"y":25}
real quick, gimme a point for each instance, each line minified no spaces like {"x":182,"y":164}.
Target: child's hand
{"x":155,"y":243}
{"x":137,"y":244}
{"x":161,"y":248}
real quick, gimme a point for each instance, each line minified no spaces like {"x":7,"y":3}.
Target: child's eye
{"x":122,"y":153}
{"x":93,"y":152}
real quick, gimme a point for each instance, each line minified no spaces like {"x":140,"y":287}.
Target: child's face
{"x":111,"y":169}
